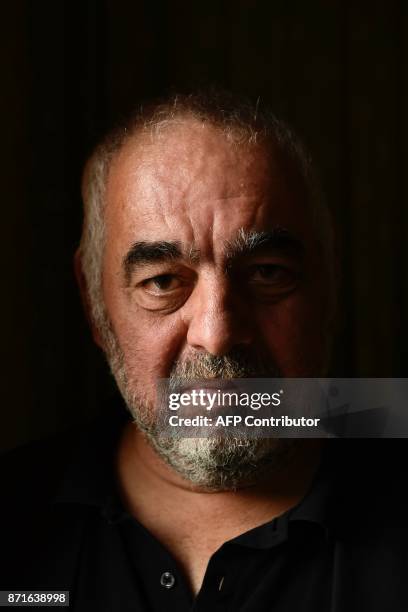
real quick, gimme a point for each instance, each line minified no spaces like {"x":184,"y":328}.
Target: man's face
{"x":211,"y":250}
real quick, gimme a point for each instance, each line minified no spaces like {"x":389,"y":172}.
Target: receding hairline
{"x":145,"y":140}
{"x":191,"y":130}
{"x":238,"y":118}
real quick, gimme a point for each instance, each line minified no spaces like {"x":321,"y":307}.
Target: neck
{"x":170,"y":508}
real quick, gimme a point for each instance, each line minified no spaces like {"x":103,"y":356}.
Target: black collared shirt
{"x":281,"y":565}
{"x":78,"y":537}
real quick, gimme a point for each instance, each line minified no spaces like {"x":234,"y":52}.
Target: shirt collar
{"x":310,"y":512}
{"x":313,"y":507}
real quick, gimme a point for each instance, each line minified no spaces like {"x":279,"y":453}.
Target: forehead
{"x":189,"y":182}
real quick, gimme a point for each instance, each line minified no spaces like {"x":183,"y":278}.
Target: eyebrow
{"x":246,"y":243}
{"x":143,"y":253}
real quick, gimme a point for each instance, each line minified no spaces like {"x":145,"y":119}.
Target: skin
{"x":192,"y":186}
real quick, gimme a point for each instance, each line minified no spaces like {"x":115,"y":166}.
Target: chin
{"x":223,"y":464}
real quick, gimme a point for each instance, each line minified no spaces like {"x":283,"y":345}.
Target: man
{"x":207,"y":253}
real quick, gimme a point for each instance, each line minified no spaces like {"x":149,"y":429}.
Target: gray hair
{"x":241,"y":122}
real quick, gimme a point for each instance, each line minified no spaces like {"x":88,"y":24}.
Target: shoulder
{"x":30,"y":473}
{"x":369,"y":483}
{"x":47,"y":489}
{"x":29,"y":477}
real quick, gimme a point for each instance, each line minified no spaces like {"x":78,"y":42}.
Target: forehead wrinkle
{"x":194,"y":153}
{"x":195,"y":156}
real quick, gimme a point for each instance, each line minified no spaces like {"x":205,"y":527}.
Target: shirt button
{"x":167,"y":580}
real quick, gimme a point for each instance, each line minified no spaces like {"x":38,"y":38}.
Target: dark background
{"x":336,"y":70}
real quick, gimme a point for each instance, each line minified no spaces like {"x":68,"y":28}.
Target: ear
{"x":83,"y":290}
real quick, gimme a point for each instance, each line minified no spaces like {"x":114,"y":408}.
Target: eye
{"x":270,"y":273}
{"x":163,"y":292}
{"x":162,"y":283}
{"x":272,"y":278}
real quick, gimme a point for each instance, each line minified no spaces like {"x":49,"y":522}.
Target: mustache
{"x":238,"y":363}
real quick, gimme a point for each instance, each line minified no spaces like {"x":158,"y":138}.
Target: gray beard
{"x":223,"y":463}
{"x":213,"y":463}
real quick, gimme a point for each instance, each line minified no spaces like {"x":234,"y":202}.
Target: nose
{"x":218,"y":318}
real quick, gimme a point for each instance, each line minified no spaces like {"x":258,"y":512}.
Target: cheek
{"x":293,"y":331}
{"x":149,"y":343}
